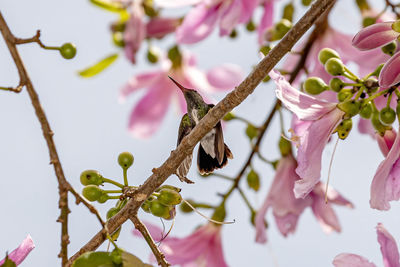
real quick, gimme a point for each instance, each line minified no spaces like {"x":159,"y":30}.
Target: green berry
{"x":91,"y":177}
{"x":315,"y":85}
{"x":103,"y":198}
{"x":379,"y":127}
{"x":351,"y":107}
{"x":158,"y":209}
{"x":288,"y":11}
{"x":281,"y":28}
{"x":306,"y":2}
{"x":344,"y":94}
{"x":334,"y":67}
{"x":169,"y":197}
{"x":68,"y":50}
{"x":285,"y":147}
{"x":327,"y":53}
{"x":390,"y":48}
{"x":250,"y":26}
{"x":336,"y":84}
{"x":253,"y":180}
{"x":344,"y":128}
{"x":366,"y":110}
{"x":125,"y":160}
{"x":92,"y":192}
{"x":387,"y":116}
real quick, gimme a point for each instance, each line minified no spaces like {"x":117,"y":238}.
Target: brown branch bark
{"x":63,"y":185}
{"x":149,"y":239}
{"x":232,"y":100}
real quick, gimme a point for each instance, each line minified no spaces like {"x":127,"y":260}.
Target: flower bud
{"x":68,"y":51}
{"x":379,"y":127}
{"x":251,"y":131}
{"x":229,"y":116}
{"x":185,"y":207}
{"x":327,"y":53}
{"x":158,"y":209}
{"x":146,"y":206}
{"x":396,"y":26}
{"x":253,"y":180}
{"x":151,"y":56}
{"x":169,"y":197}
{"x":306,"y":2}
{"x":387,"y":116}
{"x":344,"y":94}
{"x":351,"y":107}
{"x":280,"y":29}
{"x":288,"y":11}
{"x":314,"y":85}
{"x":366,"y":110}
{"x":334,"y":67}
{"x":175,"y":56}
{"x":390,"y":48}
{"x":367,"y":21}
{"x":103,"y":198}
{"x":92,"y":192}
{"x":233,"y":34}
{"x":91,"y":177}
{"x":167,"y":186}
{"x":125,"y":160}
{"x":344,"y":128}
{"x":250,"y":26}
{"x":336,"y":84}
{"x":285,"y":147}
{"x":219,"y":213}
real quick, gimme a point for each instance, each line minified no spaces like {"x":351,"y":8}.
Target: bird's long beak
{"x":183,"y":89}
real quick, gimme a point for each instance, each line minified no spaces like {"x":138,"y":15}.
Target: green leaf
{"x":96,"y":259}
{"x":109,"y":6}
{"x":98,"y":67}
{"x":129,"y":260}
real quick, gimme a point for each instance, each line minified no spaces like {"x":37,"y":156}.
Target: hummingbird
{"x":213,"y":153}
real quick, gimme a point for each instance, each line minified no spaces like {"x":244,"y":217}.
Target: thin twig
{"x":232,"y":100}
{"x":149,"y":239}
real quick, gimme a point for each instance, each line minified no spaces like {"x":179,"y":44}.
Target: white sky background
{"x":90,"y":132}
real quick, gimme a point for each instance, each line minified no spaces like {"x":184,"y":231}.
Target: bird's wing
{"x":185,"y":128}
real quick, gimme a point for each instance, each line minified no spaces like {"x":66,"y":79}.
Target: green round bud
{"x":351,"y":107}
{"x":68,"y":50}
{"x":111,"y":212}
{"x":251,"y":131}
{"x":306,"y":2}
{"x":285,"y":147}
{"x":151,"y":56}
{"x":390,"y":48}
{"x":169,"y":197}
{"x":315,"y":85}
{"x":219,"y":213}
{"x":327,"y":53}
{"x":185,"y":207}
{"x":334,"y":67}
{"x":125,"y":160}
{"x":379,"y":127}
{"x":158,"y":209}
{"x":344,"y":94}
{"x":288,"y":11}
{"x":265,"y":49}
{"x":387,"y":116}
{"x":229,"y":116}
{"x":344,"y":128}
{"x":118,"y":39}
{"x":233,"y":34}
{"x":92,"y":192}
{"x":175,"y":56}
{"x":91,"y":177}
{"x":396,"y":26}
{"x":281,"y":28}
{"x":253,"y":180}
{"x":250,"y":26}
{"x":367,"y":21}
{"x":167,"y":186}
{"x":366,"y":110}
{"x":116,"y":255}
{"x":103,"y":198}
{"x":146,"y":206}
{"x":378,"y":69}
{"x":336,"y":84}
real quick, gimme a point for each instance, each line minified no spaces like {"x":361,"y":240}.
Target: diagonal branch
{"x":232,"y":100}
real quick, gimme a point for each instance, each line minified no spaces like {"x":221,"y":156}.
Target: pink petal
{"x":225,"y":77}
{"x":365,"y":127}
{"x":139,"y":81}
{"x":286,"y":224}
{"x":261,"y":234}
{"x":351,"y":260}
{"x":135,"y":33}
{"x":230,"y":17}
{"x":159,"y":27}
{"x":386,"y":183}
{"x":266,"y":20}
{"x":325,"y":214}
{"x":390,"y":252}
{"x":151,"y":109}
{"x":390,"y":73}
{"x":248,"y":7}
{"x":197,"y":25}
{"x":309,"y":154}
{"x":175,"y":3}
{"x":19,"y":254}
{"x":386,"y":142}
{"x":375,"y":36}
{"x":304,"y":106}
{"x":214,"y":255}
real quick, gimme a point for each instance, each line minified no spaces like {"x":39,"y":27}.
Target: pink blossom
{"x":204,"y":17}
{"x":287,"y":209}
{"x":323,"y":116}
{"x":267,"y":20}
{"x":149,"y":112}
{"x":19,"y":254}
{"x":386,"y":141}
{"x":389,"y":251}
{"x":158,"y":27}
{"x":201,"y":248}
{"x":385,"y":186}
{"x":135,"y":31}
